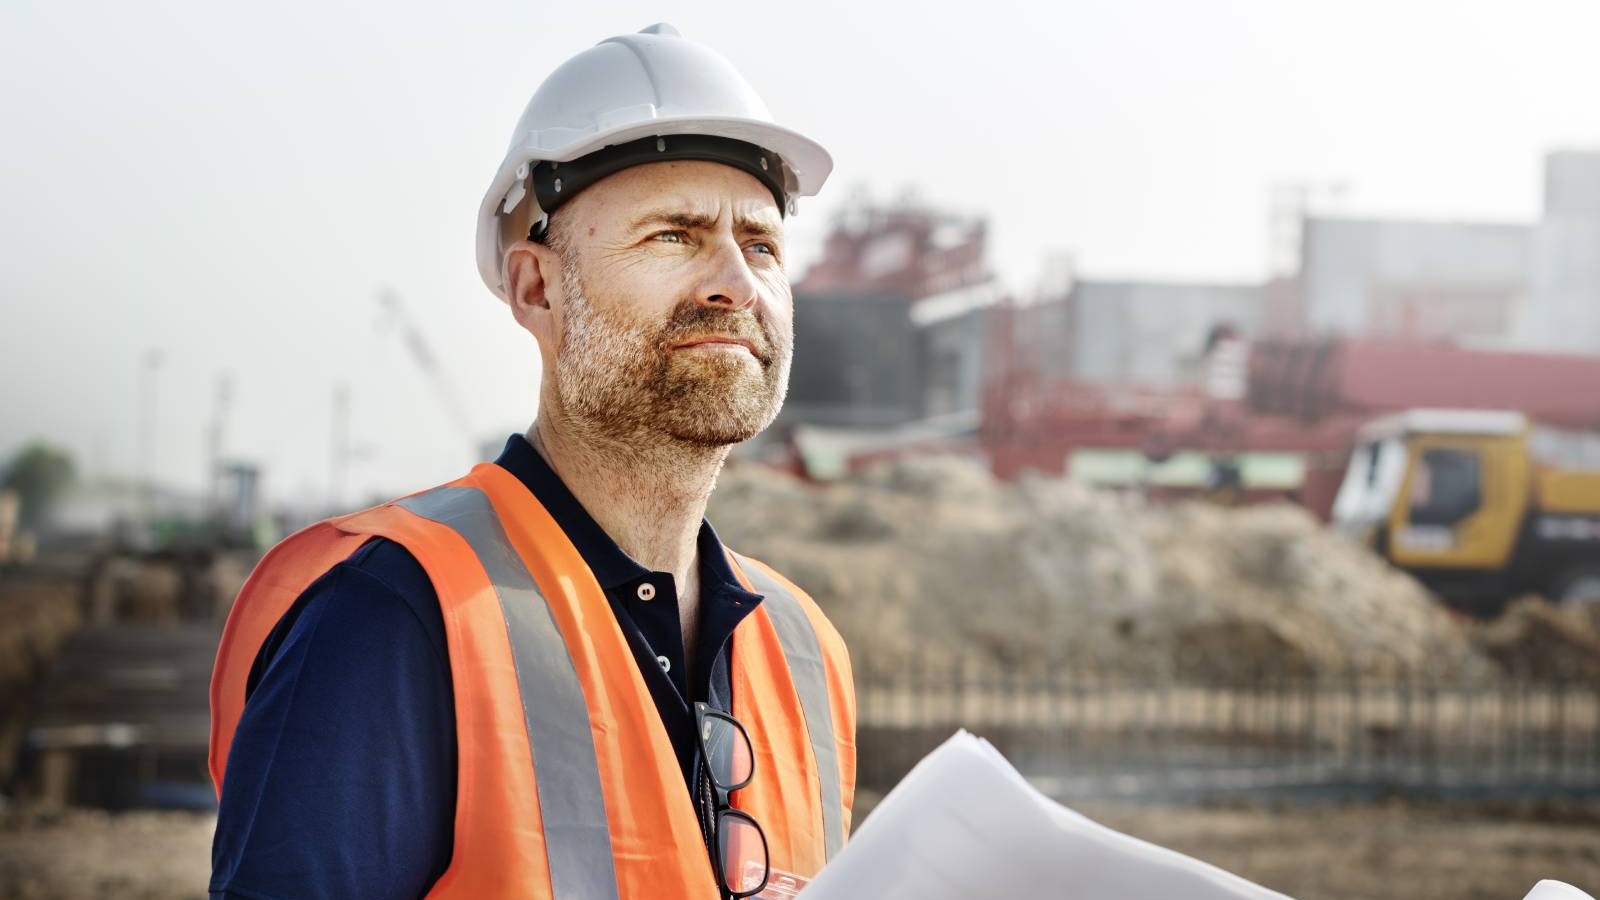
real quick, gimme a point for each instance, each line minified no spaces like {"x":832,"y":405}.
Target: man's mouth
{"x":718,"y":342}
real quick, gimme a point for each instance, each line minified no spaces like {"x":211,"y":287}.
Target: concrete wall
{"x":1563,"y":308}
{"x":953,"y":353}
{"x":1416,"y":279}
{"x":855,"y":361}
{"x":1149,"y":333}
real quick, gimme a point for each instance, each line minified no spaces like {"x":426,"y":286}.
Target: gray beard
{"x":618,"y":381}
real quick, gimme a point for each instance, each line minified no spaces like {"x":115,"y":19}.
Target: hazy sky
{"x":232,"y":184}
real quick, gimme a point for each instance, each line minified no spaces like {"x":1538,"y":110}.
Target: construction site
{"x":1301,"y":577}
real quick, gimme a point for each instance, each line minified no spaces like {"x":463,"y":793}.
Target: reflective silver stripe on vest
{"x":566,"y":772}
{"x":803,"y":652}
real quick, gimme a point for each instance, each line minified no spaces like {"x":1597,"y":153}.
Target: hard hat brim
{"x":805,"y":158}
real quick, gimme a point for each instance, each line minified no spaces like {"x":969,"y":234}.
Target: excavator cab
{"x":1465,"y":500}
{"x":1442,"y":494}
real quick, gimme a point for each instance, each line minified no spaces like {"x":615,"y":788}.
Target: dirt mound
{"x":934,"y":557}
{"x":1539,"y":640}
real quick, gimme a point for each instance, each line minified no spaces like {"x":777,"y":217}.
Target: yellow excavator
{"x":1481,"y":506}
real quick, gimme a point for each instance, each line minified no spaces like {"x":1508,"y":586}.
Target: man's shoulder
{"x":382,"y":572}
{"x":380,"y":587}
{"x":389,"y":563}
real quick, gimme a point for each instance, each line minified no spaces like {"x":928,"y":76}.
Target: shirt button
{"x":647,"y":591}
{"x":666,"y":664}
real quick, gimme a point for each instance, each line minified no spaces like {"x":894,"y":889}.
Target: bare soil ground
{"x":1384,"y":852}
{"x":93,"y":855}
{"x":1368,"y":852}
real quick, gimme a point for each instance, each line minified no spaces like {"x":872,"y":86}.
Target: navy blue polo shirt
{"x":341,"y":778}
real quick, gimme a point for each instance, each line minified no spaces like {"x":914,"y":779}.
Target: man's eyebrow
{"x":759,"y":228}
{"x":675,"y":218}
{"x":746,"y":225}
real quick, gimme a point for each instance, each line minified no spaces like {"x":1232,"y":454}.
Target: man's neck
{"x":650,"y":500}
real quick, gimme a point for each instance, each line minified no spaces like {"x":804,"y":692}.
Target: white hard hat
{"x":616,"y":96}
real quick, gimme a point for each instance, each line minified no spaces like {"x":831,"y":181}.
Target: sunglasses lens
{"x":743,"y":852}
{"x":727,"y":751}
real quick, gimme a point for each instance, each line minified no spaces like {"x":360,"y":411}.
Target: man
{"x":549,"y":678}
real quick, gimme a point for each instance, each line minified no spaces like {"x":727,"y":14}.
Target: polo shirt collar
{"x":612,"y":567}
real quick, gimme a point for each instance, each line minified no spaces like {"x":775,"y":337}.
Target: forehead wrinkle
{"x":743,"y":222}
{"x":675,"y":217}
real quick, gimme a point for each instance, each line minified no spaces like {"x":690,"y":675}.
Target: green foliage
{"x":40,"y":473}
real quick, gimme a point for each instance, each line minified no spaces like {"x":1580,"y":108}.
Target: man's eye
{"x":673,"y":237}
{"x":764,"y":247}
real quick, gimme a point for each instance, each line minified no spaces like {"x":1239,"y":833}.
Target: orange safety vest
{"x":567,"y":786}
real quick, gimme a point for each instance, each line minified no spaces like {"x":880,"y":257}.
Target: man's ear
{"x":533,"y":273}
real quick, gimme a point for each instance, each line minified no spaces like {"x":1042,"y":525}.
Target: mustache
{"x":691,"y":319}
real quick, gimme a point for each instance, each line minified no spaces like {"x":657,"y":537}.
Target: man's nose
{"x":729,"y":282}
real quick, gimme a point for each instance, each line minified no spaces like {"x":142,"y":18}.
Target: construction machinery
{"x":1480,"y":505}
{"x":1289,"y":427}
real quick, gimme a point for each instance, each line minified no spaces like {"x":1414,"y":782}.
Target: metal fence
{"x":1087,"y":736}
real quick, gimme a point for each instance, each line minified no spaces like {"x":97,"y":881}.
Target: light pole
{"x":149,"y":365}
{"x":214,"y":445}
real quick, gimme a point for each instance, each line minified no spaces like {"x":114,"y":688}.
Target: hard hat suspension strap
{"x":556,"y":183}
